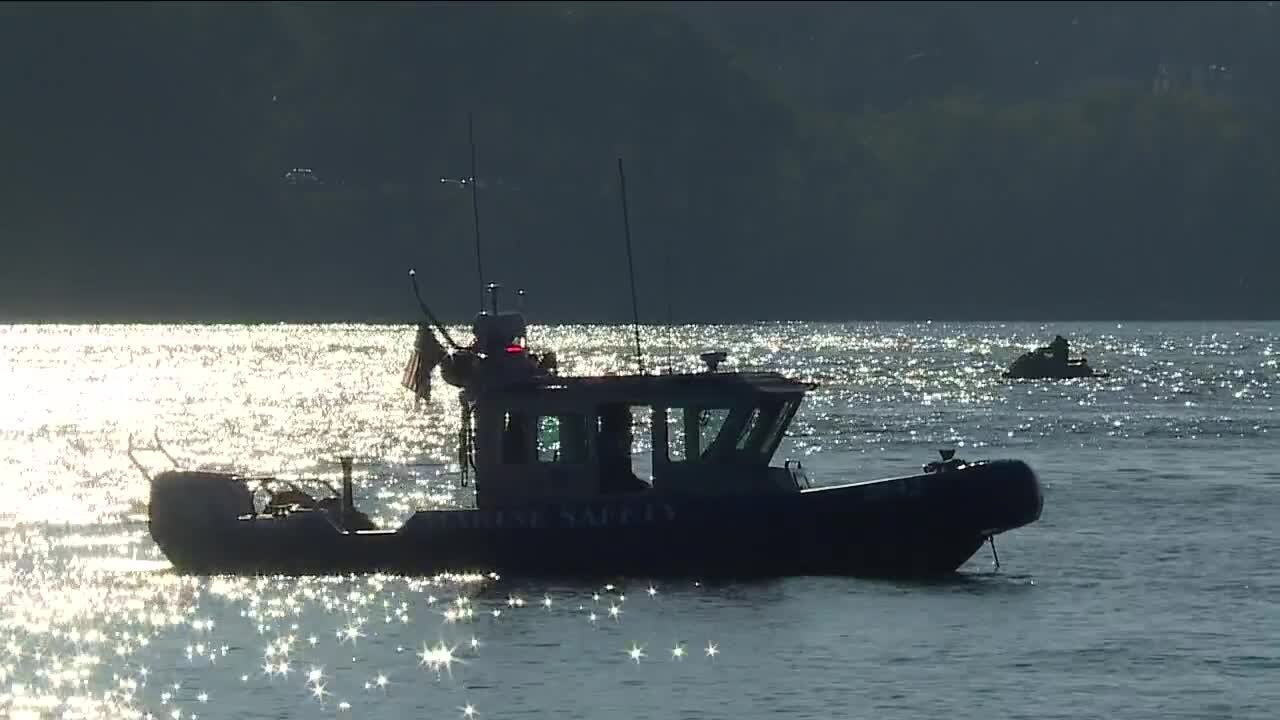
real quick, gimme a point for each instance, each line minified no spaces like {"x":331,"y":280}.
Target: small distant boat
{"x":1051,"y":363}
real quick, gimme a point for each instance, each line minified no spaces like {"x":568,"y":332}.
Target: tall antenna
{"x":475,"y":206}
{"x":631,"y":268}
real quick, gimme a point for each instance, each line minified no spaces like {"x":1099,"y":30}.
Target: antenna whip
{"x":631,"y":269}
{"x":475,"y":206}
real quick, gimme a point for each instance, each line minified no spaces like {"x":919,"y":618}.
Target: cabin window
{"x":748,"y":428}
{"x":710,"y":422}
{"x":746,"y":433}
{"x":642,"y":441}
{"x":562,"y":439}
{"x":548,"y":439}
{"x":675,"y":435}
{"x":778,"y":426}
{"x":736,"y":435}
{"x":641,"y":428}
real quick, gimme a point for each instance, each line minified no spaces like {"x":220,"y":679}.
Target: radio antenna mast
{"x":631,"y":268}
{"x":475,"y":206}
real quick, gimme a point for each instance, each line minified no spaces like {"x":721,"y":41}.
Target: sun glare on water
{"x":96,"y":624}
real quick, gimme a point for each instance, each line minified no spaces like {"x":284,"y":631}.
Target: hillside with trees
{"x":797,"y":160}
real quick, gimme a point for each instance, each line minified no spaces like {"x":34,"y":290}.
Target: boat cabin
{"x":562,"y":438}
{"x":532,"y":437}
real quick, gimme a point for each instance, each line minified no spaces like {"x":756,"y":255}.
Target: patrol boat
{"x":556,"y":494}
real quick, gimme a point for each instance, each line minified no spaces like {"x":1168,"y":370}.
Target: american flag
{"x":427,"y":353}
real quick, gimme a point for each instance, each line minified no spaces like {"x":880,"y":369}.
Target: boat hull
{"x":921,"y":525}
{"x":1036,"y":366}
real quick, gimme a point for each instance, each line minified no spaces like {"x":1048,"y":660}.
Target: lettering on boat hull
{"x":565,"y":516}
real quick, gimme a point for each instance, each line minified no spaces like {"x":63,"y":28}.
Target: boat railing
{"x":292,"y":496}
{"x":156,"y":446}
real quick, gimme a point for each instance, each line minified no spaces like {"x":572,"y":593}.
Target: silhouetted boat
{"x":1051,"y":362}
{"x":1038,"y":366}
{"x":556,"y":493}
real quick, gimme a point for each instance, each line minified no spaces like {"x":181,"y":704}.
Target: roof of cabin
{"x":645,"y":388}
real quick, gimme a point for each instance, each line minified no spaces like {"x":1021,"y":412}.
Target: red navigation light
{"x":514,"y":349}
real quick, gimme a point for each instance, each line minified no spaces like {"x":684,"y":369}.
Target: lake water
{"x":1150,"y":588}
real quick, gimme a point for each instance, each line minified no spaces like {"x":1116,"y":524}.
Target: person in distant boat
{"x":1059,"y":350}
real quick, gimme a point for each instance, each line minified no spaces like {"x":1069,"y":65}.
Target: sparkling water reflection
{"x":1148,"y":590}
